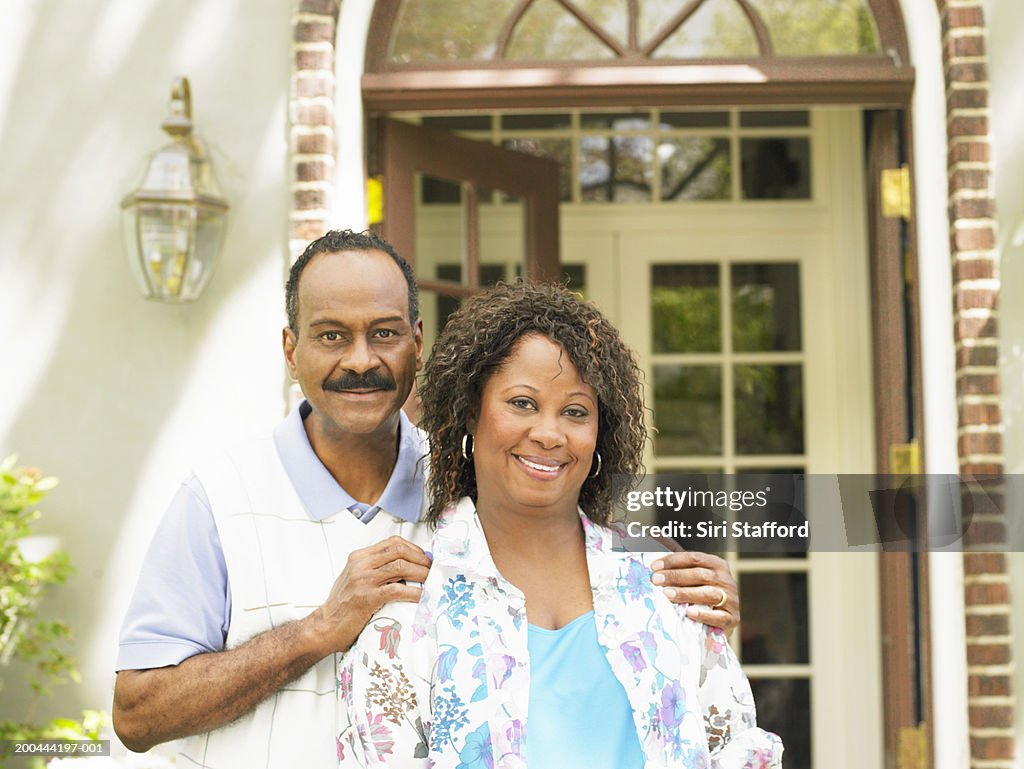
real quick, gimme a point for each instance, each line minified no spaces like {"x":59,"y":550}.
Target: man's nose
{"x":360,"y":356}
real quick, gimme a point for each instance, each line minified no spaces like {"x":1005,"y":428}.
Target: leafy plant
{"x":37,"y":644}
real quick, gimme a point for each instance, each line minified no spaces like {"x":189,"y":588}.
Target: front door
{"x":729,"y":248}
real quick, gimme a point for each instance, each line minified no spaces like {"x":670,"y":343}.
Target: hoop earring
{"x":596,"y":472}
{"x":467,"y":451}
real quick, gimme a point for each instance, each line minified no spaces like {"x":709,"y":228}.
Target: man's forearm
{"x":210,"y":690}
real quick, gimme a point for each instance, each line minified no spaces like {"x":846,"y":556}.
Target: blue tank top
{"x":579,"y":714}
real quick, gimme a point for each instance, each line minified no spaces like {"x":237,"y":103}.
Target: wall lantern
{"x":174,"y":222}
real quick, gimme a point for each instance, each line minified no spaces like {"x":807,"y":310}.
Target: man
{"x":274,"y":555}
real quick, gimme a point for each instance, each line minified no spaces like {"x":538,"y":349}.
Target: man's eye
{"x":330,"y":336}
{"x":385,"y":333}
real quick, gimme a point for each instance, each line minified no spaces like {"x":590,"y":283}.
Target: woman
{"x":536,"y":642}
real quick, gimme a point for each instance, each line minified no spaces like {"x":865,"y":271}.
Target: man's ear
{"x":288,"y":347}
{"x":417,"y":335}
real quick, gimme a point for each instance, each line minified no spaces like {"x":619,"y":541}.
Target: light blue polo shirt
{"x":182,"y":602}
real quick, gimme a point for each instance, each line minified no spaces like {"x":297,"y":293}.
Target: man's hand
{"x":372,"y":577}
{"x":209,"y":690}
{"x":702,"y":580}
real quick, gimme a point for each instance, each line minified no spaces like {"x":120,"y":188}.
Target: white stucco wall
{"x":1006,"y":20}
{"x":112,"y":393}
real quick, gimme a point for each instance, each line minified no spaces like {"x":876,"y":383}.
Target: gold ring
{"x":722,"y":600}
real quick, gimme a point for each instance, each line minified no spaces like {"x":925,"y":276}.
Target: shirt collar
{"x":322,"y":496}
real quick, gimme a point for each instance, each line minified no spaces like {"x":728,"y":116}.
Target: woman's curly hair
{"x":479,"y":338}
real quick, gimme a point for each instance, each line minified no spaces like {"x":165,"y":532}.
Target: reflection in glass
{"x":446,"y":305}
{"x":548,"y":31}
{"x":718,"y":29}
{"x":694,"y":119}
{"x":457,"y":122}
{"x":775,"y":168}
{"x":434,"y":191}
{"x":616,"y":121}
{"x":775,"y":119}
{"x":765,"y":307}
{"x":784,"y":707}
{"x":575,"y":278}
{"x":616,"y":169}
{"x":769,"y":409}
{"x":559,"y":150}
{"x":448,"y":30}
{"x":612,"y":16}
{"x":813,"y":27}
{"x":694,"y":169}
{"x":788,"y":507}
{"x":686,"y":313}
{"x":687,"y":410}
{"x":531,"y":121}
{"x":774,"y":618}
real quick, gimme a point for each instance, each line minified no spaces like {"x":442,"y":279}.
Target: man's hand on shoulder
{"x":372,"y":577}
{"x":704,"y":581}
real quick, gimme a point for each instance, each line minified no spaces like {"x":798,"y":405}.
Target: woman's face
{"x":534,"y":441}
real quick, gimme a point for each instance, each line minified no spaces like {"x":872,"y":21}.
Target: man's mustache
{"x":371,"y":380}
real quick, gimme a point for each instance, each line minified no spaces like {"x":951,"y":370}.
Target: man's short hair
{"x":346,"y":240}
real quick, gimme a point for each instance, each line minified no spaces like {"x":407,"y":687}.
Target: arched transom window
{"x":848,"y":50}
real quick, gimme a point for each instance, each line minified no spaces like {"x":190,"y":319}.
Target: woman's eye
{"x":522,"y":403}
{"x":576,"y":412}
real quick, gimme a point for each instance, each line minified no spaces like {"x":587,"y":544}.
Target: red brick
{"x":314,"y":60}
{"x":972,"y":208}
{"x":988,"y":686}
{"x":313,"y":114}
{"x":965,"y":17}
{"x":974,"y":239}
{"x":967,"y":72}
{"x":968,"y":45}
{"x":984,"y":563}
{"x":975,"y":298}
{"x":988,"y":654}
{"x":988,"y":624}
{"x":972,"y":328}
{"x":980,"y":443}
{"x":307,"y":230}
{"x":967,"y":98}
{"x":990,"y":534}
{"x":312,"y":171}
{"x":974,"y":269}
{"x":979,"y":356}
{"x":987,"y":594}
{"x":992,"y":747}
{"x":311,"y":87}
{"x":991,"y":716}
{"x":307,"y":200}
{"x":967,"y":125}
{"x":981,"y":468}
{"x":313,"y":144}
{"x":325,"y":7}
{"x":970,"y":179}
{"x":978,"y":414}
{"x":314,"y":32}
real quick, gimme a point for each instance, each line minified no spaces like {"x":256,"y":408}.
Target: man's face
{"x":355,"y":353}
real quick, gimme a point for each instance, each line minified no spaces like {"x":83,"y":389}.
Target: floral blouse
{"x":445,"y":683}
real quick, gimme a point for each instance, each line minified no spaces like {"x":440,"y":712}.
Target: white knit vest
{"x":281,"y":565}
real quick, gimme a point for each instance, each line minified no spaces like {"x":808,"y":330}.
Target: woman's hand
{"x":705,"y":582}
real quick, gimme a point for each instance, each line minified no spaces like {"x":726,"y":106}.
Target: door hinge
{"x":374,"y":200}
{"x":905,"y":458}
{"x":895,"y":185}
{"x":913,"y":747}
